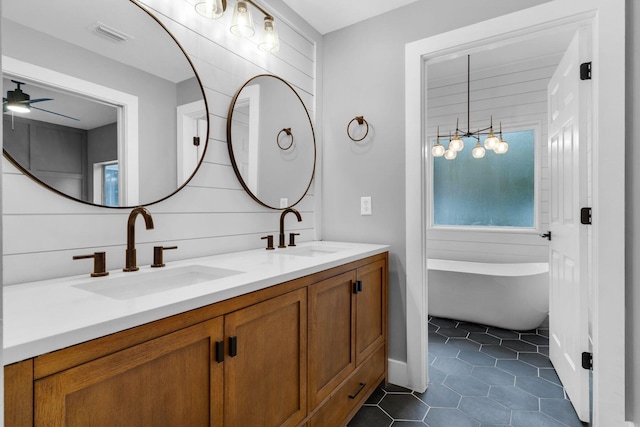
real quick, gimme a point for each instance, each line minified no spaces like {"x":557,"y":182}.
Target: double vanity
{"x":294,"y":336}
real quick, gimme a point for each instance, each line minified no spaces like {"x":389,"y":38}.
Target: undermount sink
{"x":312,"y":251}
{"x":136,"y":285}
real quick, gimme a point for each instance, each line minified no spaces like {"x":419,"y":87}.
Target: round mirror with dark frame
{"x":100,"y":102}
{"x":271,"y":141}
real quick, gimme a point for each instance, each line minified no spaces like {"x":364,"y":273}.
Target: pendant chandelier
{"x":456,"y":144}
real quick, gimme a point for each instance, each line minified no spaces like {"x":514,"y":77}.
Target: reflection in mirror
{"x":113,"y":112}
{"x":271,"y":142}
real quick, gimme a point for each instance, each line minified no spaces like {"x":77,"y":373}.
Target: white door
{"x":569,"y":285}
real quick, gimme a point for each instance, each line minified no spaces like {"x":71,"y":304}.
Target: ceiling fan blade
{"x":40,"y":100}
{"x":57,"y":114}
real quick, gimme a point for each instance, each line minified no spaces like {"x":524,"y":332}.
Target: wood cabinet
{"x":307,"y":352}
{"x":162,"y":382}
{"x":265,"y":372}
{"x":347,"y":325}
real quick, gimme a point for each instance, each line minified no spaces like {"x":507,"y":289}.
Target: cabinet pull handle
{"x":357,"y":286}
{"x":219,"y":351}
{"x":233,"y":346}
{"x":353,"y":396}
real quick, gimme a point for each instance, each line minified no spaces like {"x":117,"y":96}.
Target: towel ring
{"x":361,"y":121}
{"x":288,"y":132}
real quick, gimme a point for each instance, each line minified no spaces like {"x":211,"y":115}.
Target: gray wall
{"x":363,"y":74}
{"x":633,"y":211}
{"x":102,"y":146}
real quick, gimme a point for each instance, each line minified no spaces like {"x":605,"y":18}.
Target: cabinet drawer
{"x":341,"y":403}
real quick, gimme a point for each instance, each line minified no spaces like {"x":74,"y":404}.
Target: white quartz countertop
{"x":45,"y":316}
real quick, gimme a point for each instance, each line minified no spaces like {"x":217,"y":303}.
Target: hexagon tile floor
{"x":479,"y":376}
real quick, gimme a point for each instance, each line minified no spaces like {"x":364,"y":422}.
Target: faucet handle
{"x":157,"y":255}
{"x":269,"y":239}
{"x":99,"y":263}
{"x":292,"y":238}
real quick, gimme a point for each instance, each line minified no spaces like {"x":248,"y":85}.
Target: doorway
{"x":608,"y":193}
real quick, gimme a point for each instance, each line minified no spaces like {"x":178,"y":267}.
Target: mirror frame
{"x":180,"y":187}
{"x":230,"y":143}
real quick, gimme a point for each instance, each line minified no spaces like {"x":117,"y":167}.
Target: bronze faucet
{"x":130,"y":255}
{"x":284,"y":213}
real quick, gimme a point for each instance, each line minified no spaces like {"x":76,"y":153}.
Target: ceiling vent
{"x":111,"y":33}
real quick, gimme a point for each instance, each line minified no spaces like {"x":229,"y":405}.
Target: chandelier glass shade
{"x":493,"y":142}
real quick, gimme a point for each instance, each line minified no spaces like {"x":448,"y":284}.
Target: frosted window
{"x":495,"y":191}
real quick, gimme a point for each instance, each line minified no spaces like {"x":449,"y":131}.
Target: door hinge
{"x":587,"y":360}
{"x":585,"y":216}
{"x":196,"y":141}
{"x":585,"y":71}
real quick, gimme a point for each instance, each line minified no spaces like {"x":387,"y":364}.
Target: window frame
{"x":538,"y":135}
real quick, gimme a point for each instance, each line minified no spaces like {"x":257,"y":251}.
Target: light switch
{"x":365,"y":205}
{"x":284,"y":202}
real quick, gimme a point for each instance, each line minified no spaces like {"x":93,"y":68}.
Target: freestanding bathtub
{"x":510,"y":296}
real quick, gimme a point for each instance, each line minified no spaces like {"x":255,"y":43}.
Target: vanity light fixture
{"x":242,"y":23}
{"x":456,"y":144}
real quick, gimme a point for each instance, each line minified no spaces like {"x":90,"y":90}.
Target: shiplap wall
{"x":212,"y":214}
{"x":516,"y":95}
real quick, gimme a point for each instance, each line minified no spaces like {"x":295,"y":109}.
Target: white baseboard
{"x":398,"y":373}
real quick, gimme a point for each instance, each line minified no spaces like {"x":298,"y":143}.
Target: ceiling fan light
{"x":269,"y":40}
{"x":18,"y":108}
{"x":242,"y":24}
{"x":212,"y":9}
{"x":18,"y":101}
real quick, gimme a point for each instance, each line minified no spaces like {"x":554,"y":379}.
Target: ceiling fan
{"x":18,"y":101}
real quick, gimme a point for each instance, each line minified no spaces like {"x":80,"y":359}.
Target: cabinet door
{"x":162,"y":382}
{"x":371,"y":309}
{"x":332,"y":323}
{"x":265,"y":369}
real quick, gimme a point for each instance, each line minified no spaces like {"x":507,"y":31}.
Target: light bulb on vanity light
{"x":269,"y":41}
{"x":211,"y":9}
{"x":242,"y":24}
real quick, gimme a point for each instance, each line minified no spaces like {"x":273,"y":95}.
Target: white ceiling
{"x":330,"y":15}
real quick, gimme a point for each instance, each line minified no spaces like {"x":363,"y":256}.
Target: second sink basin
{"x":311,"y":251}
{"x":135,"y":285}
